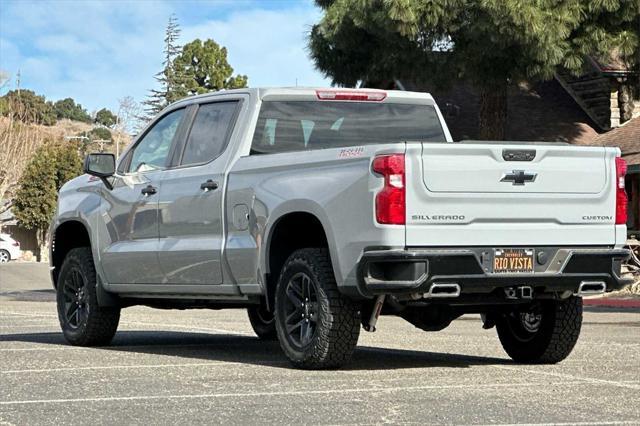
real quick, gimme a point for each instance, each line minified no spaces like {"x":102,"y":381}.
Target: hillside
{"x":19,"y":141}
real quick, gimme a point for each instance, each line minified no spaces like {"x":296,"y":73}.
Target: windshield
{"x":302,"y":125}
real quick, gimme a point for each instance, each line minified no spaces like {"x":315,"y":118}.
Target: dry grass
{"x":19,"y":141}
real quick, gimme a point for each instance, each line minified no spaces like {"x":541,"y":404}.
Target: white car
{"x":9,"y":248}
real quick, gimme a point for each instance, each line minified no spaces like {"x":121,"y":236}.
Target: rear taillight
{"x":390,"y":201}
{"x":16,"y":244}
{"x":621,"y":193}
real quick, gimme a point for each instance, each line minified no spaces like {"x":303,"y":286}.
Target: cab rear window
{"x":285,"y":126}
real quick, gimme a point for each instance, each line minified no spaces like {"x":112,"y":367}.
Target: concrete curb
{"x":631,"y":303}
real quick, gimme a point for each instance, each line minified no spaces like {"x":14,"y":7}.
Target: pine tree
{"x":203,"y":67}
{"x":158,"y":99}
{"x":489,"y":43}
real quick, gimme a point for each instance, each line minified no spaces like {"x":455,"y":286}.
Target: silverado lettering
{"x":437,"y":217}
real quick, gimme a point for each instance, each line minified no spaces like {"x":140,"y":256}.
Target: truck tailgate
{"x":492,"y":194}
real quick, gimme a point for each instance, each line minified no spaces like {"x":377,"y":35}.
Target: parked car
{"x":9,"y":248}
{"x":319,"y":210}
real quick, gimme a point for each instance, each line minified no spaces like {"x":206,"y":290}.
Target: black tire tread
{"x":102,"y":322}
{"x":262,"y":330}
{"x":340,"y":329}
{"x":557,"y":340}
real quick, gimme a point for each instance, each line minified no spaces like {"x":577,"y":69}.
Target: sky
{"x":100,"y":51}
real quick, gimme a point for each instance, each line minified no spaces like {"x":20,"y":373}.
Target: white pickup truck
{"x":320,"y":209}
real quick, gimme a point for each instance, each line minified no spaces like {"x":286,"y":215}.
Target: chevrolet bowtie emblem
{"x":519,"y":177}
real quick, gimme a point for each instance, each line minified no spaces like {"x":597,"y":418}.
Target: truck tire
{"x":83,"y":321}
{"x":544,"y":335}
{"x":317,"y":326}
{"x":263,"y":322}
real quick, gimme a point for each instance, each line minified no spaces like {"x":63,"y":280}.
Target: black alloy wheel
{"x":317,"y":326}
{"x":301,"y":310}
{"x":76,"y":308}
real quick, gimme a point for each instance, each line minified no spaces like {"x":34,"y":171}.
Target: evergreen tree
{"x":158,"y":99}
{"x":203,"y":68}
{"x":35,"y":201}
{"x":489,"y":43}
{"x":26,"y":106}
{"x":105,"y":117}
{"x":67,"y":108}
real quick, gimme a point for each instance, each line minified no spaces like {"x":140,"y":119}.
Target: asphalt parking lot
{"x":167,"y":367}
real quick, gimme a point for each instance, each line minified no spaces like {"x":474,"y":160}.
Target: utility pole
{"x":117,"y":136}
{"x":18,"y":82}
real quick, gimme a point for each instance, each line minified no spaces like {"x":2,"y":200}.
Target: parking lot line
{"x":155,"y":324}
{"x":370,"y":390}
{"x":569,"y":376}
{"x":603,"y":423}
{"x":20,"y":314}
{"x":116,"y":367}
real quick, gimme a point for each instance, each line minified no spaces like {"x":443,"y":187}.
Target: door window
{"x":152,"y":151}
{"x":209,"y":133}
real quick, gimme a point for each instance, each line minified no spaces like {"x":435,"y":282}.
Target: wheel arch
{"x":292,"y":230}
{"x":66,"y":236}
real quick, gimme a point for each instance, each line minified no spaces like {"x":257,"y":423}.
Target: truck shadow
{"x":235,"y":348}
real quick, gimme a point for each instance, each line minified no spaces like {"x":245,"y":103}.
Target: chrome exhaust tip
{"x":588,"y":288}
{"x":439,"y":290}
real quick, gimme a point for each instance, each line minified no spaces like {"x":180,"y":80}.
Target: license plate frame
{"x":513,"y":261}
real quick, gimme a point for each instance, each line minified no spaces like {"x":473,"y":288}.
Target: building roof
{"x":627,"y":137}
{"x":541,"y":112}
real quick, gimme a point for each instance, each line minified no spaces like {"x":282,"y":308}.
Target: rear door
{"x":479,"y":194}
{"x":190,"y":208}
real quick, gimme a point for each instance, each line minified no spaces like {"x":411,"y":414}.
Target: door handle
{"x":209,"y":185}
{"x":149,"y":190}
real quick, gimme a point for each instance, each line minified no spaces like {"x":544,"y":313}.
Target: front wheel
{"x":543,"y":333}
{"x":317,"y":326}
{"x":83,"y":321}
{"x":4,"y":256}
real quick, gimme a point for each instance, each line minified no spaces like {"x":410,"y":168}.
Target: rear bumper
{"x":415,"y":271}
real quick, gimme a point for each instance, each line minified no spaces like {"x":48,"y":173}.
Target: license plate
{"x":513,"y":261}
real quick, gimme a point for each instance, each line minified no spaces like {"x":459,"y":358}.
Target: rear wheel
{"x":317,"y":326}
{"x":262,"y":322}
{"x":544,"y":332}
{"x":4,"y":256}
{"x":83,"y":322}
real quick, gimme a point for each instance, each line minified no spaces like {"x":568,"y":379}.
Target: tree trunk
{"x":492,"y":120}
{"x":41,"y":242}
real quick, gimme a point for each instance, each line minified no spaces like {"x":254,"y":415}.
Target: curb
{"x":612,"y":303}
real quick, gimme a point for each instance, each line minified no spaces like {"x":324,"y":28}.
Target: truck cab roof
{"x":318,"y":94}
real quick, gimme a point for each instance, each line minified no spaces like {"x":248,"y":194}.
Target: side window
{"x":209,"y":133}
{"x":281,"y":135}
{"x":152,"y":151}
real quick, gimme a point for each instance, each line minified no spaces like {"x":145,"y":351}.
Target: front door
{"x":131,"y":213}
{"x":191,"y":197}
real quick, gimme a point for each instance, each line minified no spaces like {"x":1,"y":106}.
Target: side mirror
{"x":101,"y":165}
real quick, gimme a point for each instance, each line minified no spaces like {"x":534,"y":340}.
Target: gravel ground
{"x":168,"y":367}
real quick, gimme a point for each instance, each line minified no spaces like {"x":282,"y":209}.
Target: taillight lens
{"x":621,"y":193}
{"x":390,"y":201}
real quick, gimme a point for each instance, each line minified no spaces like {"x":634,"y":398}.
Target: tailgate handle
{"x":518,"y":154}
